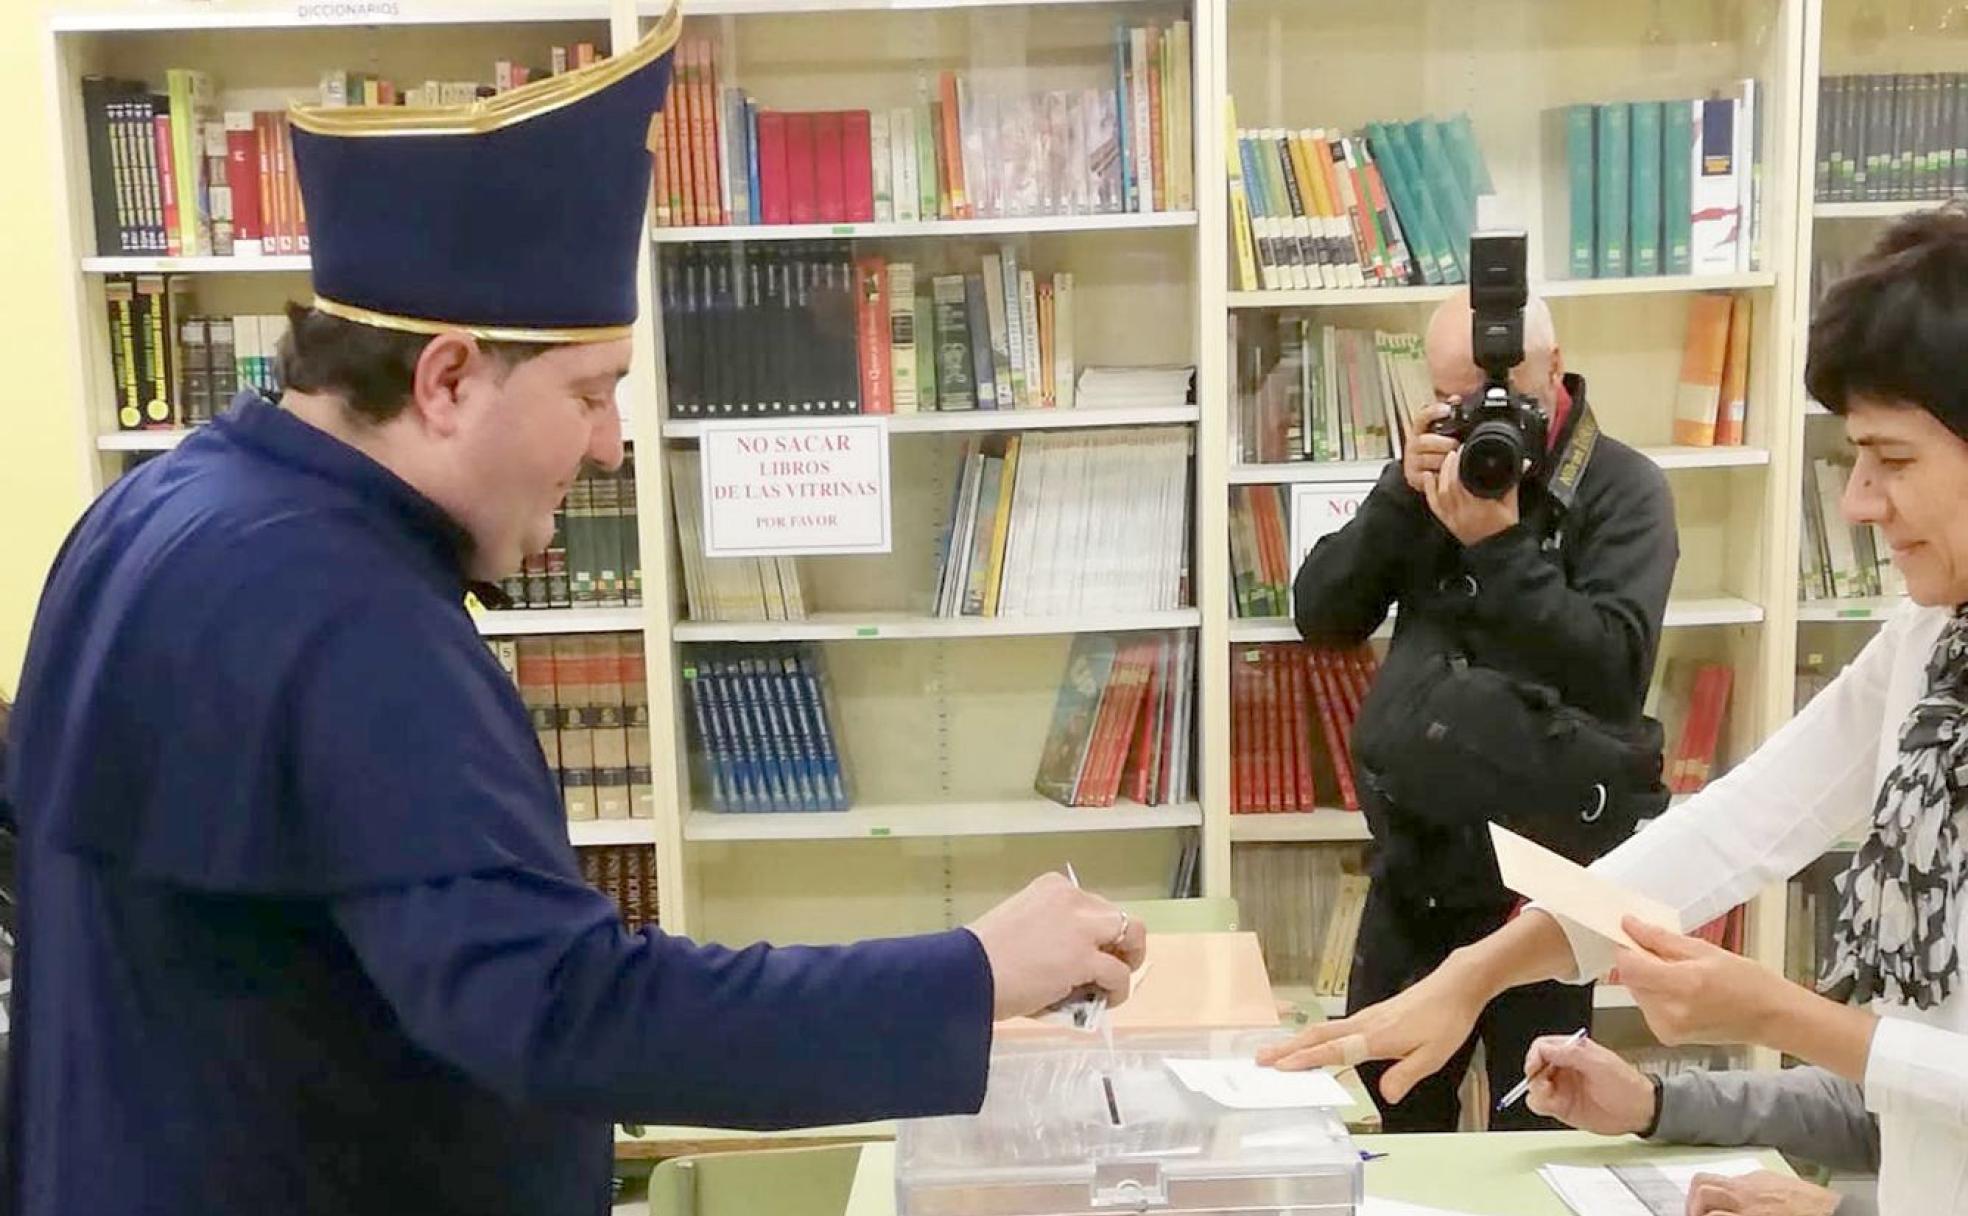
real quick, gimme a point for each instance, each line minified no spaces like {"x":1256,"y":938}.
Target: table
{"x":1485,"y":1174}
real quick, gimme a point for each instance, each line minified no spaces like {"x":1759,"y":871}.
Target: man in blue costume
{"x":302,"y":929}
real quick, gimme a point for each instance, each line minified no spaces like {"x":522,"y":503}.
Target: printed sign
{"x":347,"y":12}
{"x":774,"y":490}
{"x":1320,"y":509}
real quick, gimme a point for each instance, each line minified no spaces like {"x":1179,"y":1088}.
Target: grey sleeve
{"x":1805,"y":1112}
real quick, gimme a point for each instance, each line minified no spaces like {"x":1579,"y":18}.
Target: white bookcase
{"x":941,"y":720}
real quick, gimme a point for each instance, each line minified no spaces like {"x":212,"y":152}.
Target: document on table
{"x":1244,"y":1084}
{"x":1572,"y":891}
{"x":1652,"y":1189}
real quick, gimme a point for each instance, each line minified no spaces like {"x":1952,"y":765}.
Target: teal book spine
{"x":1677,"y":187}
{"x":1614,"y":168}
{"x":1644,"y":237}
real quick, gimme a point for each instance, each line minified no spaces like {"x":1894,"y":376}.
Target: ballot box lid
{"x":1077,"y":1126}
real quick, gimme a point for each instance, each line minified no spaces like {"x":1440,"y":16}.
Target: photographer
{"x":1530,"y":606}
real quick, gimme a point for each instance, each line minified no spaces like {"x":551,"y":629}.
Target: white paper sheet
{"x":1243,"y":1084}
{"x":1592,"y":1190}
{"x":1569,"y":889}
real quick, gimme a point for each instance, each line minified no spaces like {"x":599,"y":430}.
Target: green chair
{"x":778,"y":1182}
{"x":1184,"y":915}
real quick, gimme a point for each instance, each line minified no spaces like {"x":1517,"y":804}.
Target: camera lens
{"x":1492,"y":457}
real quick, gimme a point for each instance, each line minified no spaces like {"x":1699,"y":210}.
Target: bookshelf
{"x":941,"y":723}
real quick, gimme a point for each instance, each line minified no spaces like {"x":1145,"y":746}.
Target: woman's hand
{"x":1693,"y":992}
{"x":1588,"y":1086}
{"x":1420,"y":1028}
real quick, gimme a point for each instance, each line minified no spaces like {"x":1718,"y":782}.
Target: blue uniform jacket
{"x":302,"y":930}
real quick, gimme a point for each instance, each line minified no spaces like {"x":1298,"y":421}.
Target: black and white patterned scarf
{"x":1899,"y":905}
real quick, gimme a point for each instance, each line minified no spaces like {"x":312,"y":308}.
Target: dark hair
{"x":370,"y":368}
{"x":1896,"y":326}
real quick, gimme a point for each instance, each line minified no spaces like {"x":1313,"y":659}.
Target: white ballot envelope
{"x":1572,"y":891}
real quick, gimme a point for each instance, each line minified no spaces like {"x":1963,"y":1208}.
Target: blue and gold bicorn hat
{"x":516,"y":217}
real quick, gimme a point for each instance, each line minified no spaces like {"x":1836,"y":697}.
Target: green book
{"x":629,"y":532}
{"x":583,"y":544}
{"x":1569,"y":132}
{"x":1677,"y":187}
{"x":1614,"y":168}
{"x":1644,"y":237}
{"x":1438,"y":178}
{"x":925,"y":354}
{"x":1412,"y":204}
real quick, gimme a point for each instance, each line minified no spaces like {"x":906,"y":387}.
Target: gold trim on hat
{"x":489,"y":333}
{"x":503,"y":110}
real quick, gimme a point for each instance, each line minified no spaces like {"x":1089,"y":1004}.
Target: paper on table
{"x":1593,"y":1190}
{"x":1242,"y":1084}
{"x":1570,"y":890}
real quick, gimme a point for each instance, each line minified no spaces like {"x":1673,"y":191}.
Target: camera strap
{"x":1576,"y":453}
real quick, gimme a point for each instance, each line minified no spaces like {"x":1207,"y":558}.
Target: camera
{"x":1499,"y":430}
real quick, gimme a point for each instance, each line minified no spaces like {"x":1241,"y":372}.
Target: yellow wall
{"x":42,"y":479}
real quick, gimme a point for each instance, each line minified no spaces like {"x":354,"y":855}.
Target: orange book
{"x":1734,"y":405}
{"x":673,"y":162}
{"x":659,"y":171}
{"x":953,"y":148}
{"x":871,"y":316}
{"x":710,"y":207}
{"x":685,"y":140}
{"x":1698,"y":391}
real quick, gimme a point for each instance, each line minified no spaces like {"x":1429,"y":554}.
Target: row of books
{"x":595,"y":557}
{"x":756,"y":332}
{"x":1391,"y":205}
{"x":173,"y":368}
{"x":1811,"y":916}
{"x":172,"y":173}
{"x":1305,"y":391}
{"x":959,"y":152}
{"x":727,"y":588}
{"x":626,"y":874}
{"x":1893,"y":136}
{"x":1691,"y":700}
{"x":1711,"y":393}
{"x":1303,"y":902}
{"x":762,"y":730}
{"x":1261,"y":565}
{"x":1836,"y":559}
{"x":588,"y":697}
{"x":1292,"y":710}
{"x":343,"y":88}
{"x":1048,"y":524}
{"x":1656,"y":187}
{"x":1123,"y":725}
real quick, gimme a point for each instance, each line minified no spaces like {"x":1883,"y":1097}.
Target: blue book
{"x":1122,"y":109}
{"x":814,"y":696}
{"x":710,"y":755}
{"x":752,"y":157}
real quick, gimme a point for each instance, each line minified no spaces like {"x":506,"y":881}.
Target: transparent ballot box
{"x":1074,"y":1125}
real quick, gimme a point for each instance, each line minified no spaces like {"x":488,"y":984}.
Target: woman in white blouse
{"x":1885,"y":747}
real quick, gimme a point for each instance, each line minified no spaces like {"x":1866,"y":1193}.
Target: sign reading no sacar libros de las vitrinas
{"x":777,"y":490}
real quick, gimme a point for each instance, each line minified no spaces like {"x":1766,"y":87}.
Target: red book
{"x":871,"y":324}
{"x":1301,"y":694}
{"x":801,"y":190}
{"x":775,"y":207}
{"x":243,"y":177}
{"x":830,"y":189}
{"x":1239,"y":732}
{"x":1325,"y":694}
{"x":857,"y":167}
{"x":273,"y":235}
{"x":1148,"y":730}
{"x":167,"y":184}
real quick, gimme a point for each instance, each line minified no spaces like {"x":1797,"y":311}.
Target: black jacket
{"x":1570,"y":598}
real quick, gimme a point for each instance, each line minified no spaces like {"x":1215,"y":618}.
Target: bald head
{"x":1452,"y":360}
